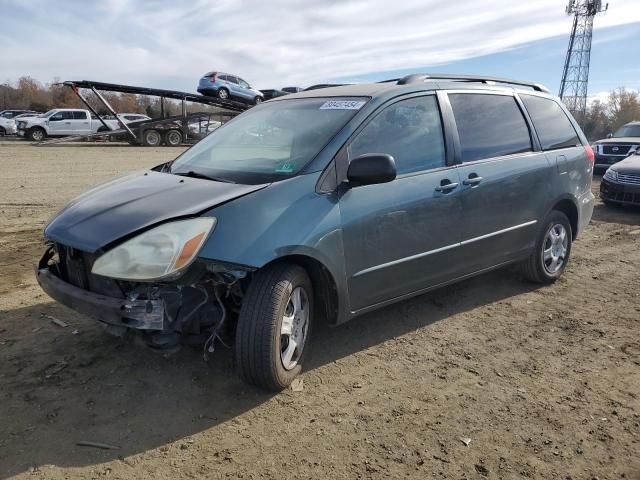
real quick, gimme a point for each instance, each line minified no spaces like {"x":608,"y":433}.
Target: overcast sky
{"x":170,"y":44}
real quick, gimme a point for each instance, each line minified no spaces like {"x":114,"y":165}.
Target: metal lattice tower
{"x":575,"y":76}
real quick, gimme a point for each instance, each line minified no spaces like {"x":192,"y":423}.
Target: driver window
{"x":56,"y":117}
{"x":409,"y":130}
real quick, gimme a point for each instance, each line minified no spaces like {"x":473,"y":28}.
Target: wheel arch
{"x":326,"y":291}
{"x":568,"y":206}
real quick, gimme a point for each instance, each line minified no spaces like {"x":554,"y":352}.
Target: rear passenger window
{"x":552,"y":125}
{"x":80,"y":115}
{"x":489,"y":125}
{"x":410,"y":131}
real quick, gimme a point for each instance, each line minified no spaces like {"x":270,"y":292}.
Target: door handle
{"x":472,"y":181}
{"x":446,"y":188}
{"x":67,"y":123}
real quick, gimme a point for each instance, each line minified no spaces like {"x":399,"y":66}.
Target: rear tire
{"x":551,"y":253}
{"x":274,"y":327}
{"x":223,"y":94}
{"x":173,"y":138}
{"x":152,"y":138}
{"x":37,"y":134}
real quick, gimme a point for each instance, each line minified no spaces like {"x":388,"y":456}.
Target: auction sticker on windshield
{"x":342,"y":105}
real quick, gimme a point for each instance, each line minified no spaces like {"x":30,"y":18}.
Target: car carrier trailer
{"x":168,"y":130}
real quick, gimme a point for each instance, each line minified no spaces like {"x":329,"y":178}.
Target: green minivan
{"x":324,"y":205}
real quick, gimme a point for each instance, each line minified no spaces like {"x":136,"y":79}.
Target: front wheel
{"x":258,"y":100}
{"x":551,"y":252}
{"x":37,"y":134}
{"x":274,"y":327}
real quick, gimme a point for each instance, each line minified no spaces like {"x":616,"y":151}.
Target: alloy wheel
{"x":295,"y":324}
{"x":554,"y":248}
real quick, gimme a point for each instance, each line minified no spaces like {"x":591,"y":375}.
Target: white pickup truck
{"x":61,"y":122}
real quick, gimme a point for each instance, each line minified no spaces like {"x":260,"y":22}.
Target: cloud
{"x":270,"y":43}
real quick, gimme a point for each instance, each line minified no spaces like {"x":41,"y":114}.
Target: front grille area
{"x":75,"y":268}
{"x":615,"y":149}
{"x":618,"y":194}
{"x":629,"y":178}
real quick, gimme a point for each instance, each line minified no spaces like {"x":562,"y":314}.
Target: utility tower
{"x":575,"y":76}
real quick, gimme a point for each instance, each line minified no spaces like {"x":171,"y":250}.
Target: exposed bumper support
{"x":138,"y":314}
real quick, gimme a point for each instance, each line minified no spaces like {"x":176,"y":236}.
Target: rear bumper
{"x":586,"y":203}
{"x":619,"y":193}
{"x":138,"y":314}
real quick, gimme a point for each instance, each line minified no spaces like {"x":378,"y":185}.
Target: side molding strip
{"x":441,"y":249}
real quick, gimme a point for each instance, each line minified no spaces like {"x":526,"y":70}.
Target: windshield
{"x":49,"y":113}
{"x":628,"y":131}
{"x":270,"y":142}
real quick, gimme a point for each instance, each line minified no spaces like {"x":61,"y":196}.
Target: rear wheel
{"x":173,"y":138}
{"x":152,"y":138}
{"x":37,"y":134}
{"x":551,"y":252}
{"x":274,"y":327}
{"x":223,"y":93}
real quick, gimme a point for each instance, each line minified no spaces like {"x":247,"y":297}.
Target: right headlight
{"x":611,"y":174}
{"x":163,"y":252}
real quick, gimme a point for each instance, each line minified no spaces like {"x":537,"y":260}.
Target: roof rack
{"x":421,"y":77}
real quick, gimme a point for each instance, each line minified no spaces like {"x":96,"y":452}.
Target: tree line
{"x":603,"y":116}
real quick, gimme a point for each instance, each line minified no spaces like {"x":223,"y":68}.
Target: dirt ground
{"x":544,"y":382}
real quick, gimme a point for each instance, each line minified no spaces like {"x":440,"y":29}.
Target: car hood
{"x":136,"y":202}
{"x":620,"y":140}
{"x":630,"y":164}
{"x":33,"y":120}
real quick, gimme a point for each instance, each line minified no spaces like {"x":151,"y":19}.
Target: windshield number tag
{"x":285,"y":168}
{"x":342,"y":105}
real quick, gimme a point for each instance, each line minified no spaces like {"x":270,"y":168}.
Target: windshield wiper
{"x":193,"y":174}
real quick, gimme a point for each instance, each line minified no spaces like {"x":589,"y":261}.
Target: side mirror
{"x":371,"y":168}
{"x":610,"y":135}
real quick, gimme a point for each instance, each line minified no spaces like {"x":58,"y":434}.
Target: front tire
{"x":274,"y":327}
{"x":258,"y":100}
{"x":551,"y":253}
{"x":37,"y":134}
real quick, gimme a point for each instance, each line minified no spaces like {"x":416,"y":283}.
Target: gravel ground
{"x":490,"y":378}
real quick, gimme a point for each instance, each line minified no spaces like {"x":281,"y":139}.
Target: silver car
{"x":226,"y":86}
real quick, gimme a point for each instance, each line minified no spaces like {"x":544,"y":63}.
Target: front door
{"x":401,"y":237}
{"x":59,"y":123}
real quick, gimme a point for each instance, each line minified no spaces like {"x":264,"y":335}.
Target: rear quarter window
{"x":489,"y":125}
{"x":551,"y":123}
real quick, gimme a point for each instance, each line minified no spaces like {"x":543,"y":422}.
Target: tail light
{"x":213,"y":77}
{"x":591,"y":157}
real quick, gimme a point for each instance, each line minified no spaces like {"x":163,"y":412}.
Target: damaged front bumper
{"x":139,"y":314}
{"x":196,"y":305}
